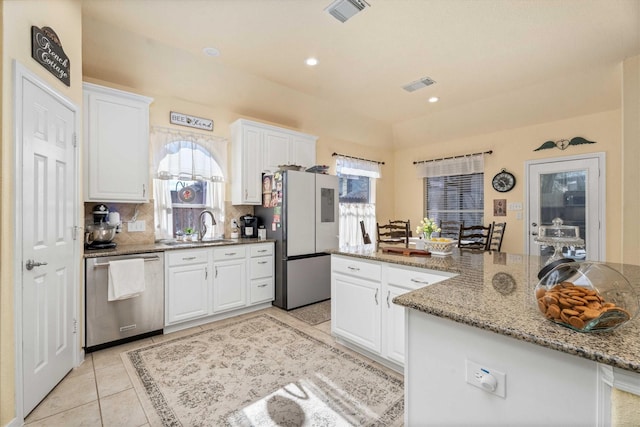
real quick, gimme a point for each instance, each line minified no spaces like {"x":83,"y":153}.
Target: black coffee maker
{"x":248,"y":226}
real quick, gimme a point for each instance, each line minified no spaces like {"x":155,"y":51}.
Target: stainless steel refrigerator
{"x":300,"y":211}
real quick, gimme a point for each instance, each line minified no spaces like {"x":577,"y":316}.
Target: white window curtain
{"x":180,"y":155}
{"x":352,"y":213}
{"x":457,"y":166}
{"x":358,"y":167}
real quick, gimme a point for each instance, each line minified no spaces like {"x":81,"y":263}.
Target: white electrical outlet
{"x":487,"y":379}
{"x":136,"y":226}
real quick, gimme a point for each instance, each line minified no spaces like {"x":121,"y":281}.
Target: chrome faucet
{"x":203,"y":227}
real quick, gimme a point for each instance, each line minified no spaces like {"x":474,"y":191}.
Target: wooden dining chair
{"x":403,"y":223}
{"x":393,"y":234}
{"x":497,"y":234}
{"x":474,"y":237}
{"x":450,"y":229}
{"x":365,"y":236}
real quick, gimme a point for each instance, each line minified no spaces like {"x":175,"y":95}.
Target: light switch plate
{"x":514,"y":206}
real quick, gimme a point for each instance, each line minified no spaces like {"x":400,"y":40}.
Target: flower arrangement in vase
{"x":427,"y":227}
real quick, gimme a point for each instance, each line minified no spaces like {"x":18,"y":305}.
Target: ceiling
{"x":497,"y":63}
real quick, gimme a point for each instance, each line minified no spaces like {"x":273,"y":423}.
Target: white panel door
{"x":48,"y":207}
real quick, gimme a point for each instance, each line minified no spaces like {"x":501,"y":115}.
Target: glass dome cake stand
{"x":558,"y":236}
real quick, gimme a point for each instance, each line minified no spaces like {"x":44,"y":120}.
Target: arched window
{"x":189,"y":171}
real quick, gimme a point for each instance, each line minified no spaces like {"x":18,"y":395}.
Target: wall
{"x":64,"y":16}
{"x":631,"y":160}
{"x":511,"y":148}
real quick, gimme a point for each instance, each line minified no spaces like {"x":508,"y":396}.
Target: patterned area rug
{"x":314,"y":314}
{"x":261,"y":372}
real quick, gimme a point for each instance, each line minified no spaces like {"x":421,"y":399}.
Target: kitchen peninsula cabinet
{"x":116,"y":135}
{"x":259,"y":147}
{"x":362,"y":310}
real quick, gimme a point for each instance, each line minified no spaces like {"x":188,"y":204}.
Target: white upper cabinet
{"x":116,"y":135}
{"x":258,"y":148}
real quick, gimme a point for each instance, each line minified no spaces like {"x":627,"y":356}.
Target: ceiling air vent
{"x":345,"y":9}
{"x":418,"y":84}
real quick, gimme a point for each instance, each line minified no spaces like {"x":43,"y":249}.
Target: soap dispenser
{"x":235,"y":233}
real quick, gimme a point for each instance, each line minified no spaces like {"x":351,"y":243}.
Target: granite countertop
{"x":162,"y":247}
{"x":495,"y":291}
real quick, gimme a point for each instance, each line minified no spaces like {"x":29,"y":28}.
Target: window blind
{"x":455,"y":198}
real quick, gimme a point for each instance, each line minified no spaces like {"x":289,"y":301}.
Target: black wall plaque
{"x":47,"y":50}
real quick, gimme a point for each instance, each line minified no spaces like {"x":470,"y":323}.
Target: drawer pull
{"x":353,"y":268}
{"x":229,"y":253}
{"x":424,"y":282}
{"x":189,"y":258}
{"x":262,"y":250}
{"x":262,"y":262}
{"x":263,"y":285}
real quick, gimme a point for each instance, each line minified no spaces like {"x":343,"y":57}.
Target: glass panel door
{"x":568,"y":190}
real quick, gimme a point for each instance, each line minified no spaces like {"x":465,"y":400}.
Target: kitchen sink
{"x":197,"y":242}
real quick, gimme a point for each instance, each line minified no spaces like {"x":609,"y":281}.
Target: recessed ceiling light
{"x":211,"y":51}
{"x":311,"y":62}
{"x":434,"y":99}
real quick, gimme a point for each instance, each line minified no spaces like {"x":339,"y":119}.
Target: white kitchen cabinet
{"x":362,"y":308}
{"x":187,"y":284}
{"x":355,"y":302}
{"x":212,"y":283}
{"x":116,"y":135}
{"x":261,"y":273}
{"x":259,"y":147}
{"x":230,"y":278}
{"x":246,"y":182}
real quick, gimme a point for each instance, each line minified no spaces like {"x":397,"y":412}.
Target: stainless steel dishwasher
{"x":110,"y":323}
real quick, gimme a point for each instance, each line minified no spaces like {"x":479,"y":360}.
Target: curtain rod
{"x":453,"y":157}
{"x":357,"y":158}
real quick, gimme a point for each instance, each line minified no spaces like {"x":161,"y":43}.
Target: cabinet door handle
{"x":216,"y":273}
{"x":144,"y":190}
{"x":424,"y":282}
{"x":262,"y":286}
{"x":353,"y":268}
{"x":388,"y":295}
{"x":376,"y":296}
{"x":262,"y":262}
{"x":189,"y":258}
{"x":206,"y":273}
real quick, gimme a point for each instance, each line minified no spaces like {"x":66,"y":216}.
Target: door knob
{"x":31,"y":263}
{"x":533,"y":224}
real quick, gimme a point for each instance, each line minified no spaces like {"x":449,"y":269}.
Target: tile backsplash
{"x":145,"y":213}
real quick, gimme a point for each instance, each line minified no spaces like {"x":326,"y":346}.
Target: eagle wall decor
{"x":564,"y":143}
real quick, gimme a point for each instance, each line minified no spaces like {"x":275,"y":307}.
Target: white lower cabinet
{"x":187,"y":285}
{"x":362,"y":308}
{"x":229,"y":278}
{"x":206,"y":284}
{"x":261,"y":274}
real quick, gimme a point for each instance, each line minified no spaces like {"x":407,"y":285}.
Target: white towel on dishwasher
{"x":126,"y":278}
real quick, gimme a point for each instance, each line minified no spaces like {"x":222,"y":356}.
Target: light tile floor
{"x":99,"y":392}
